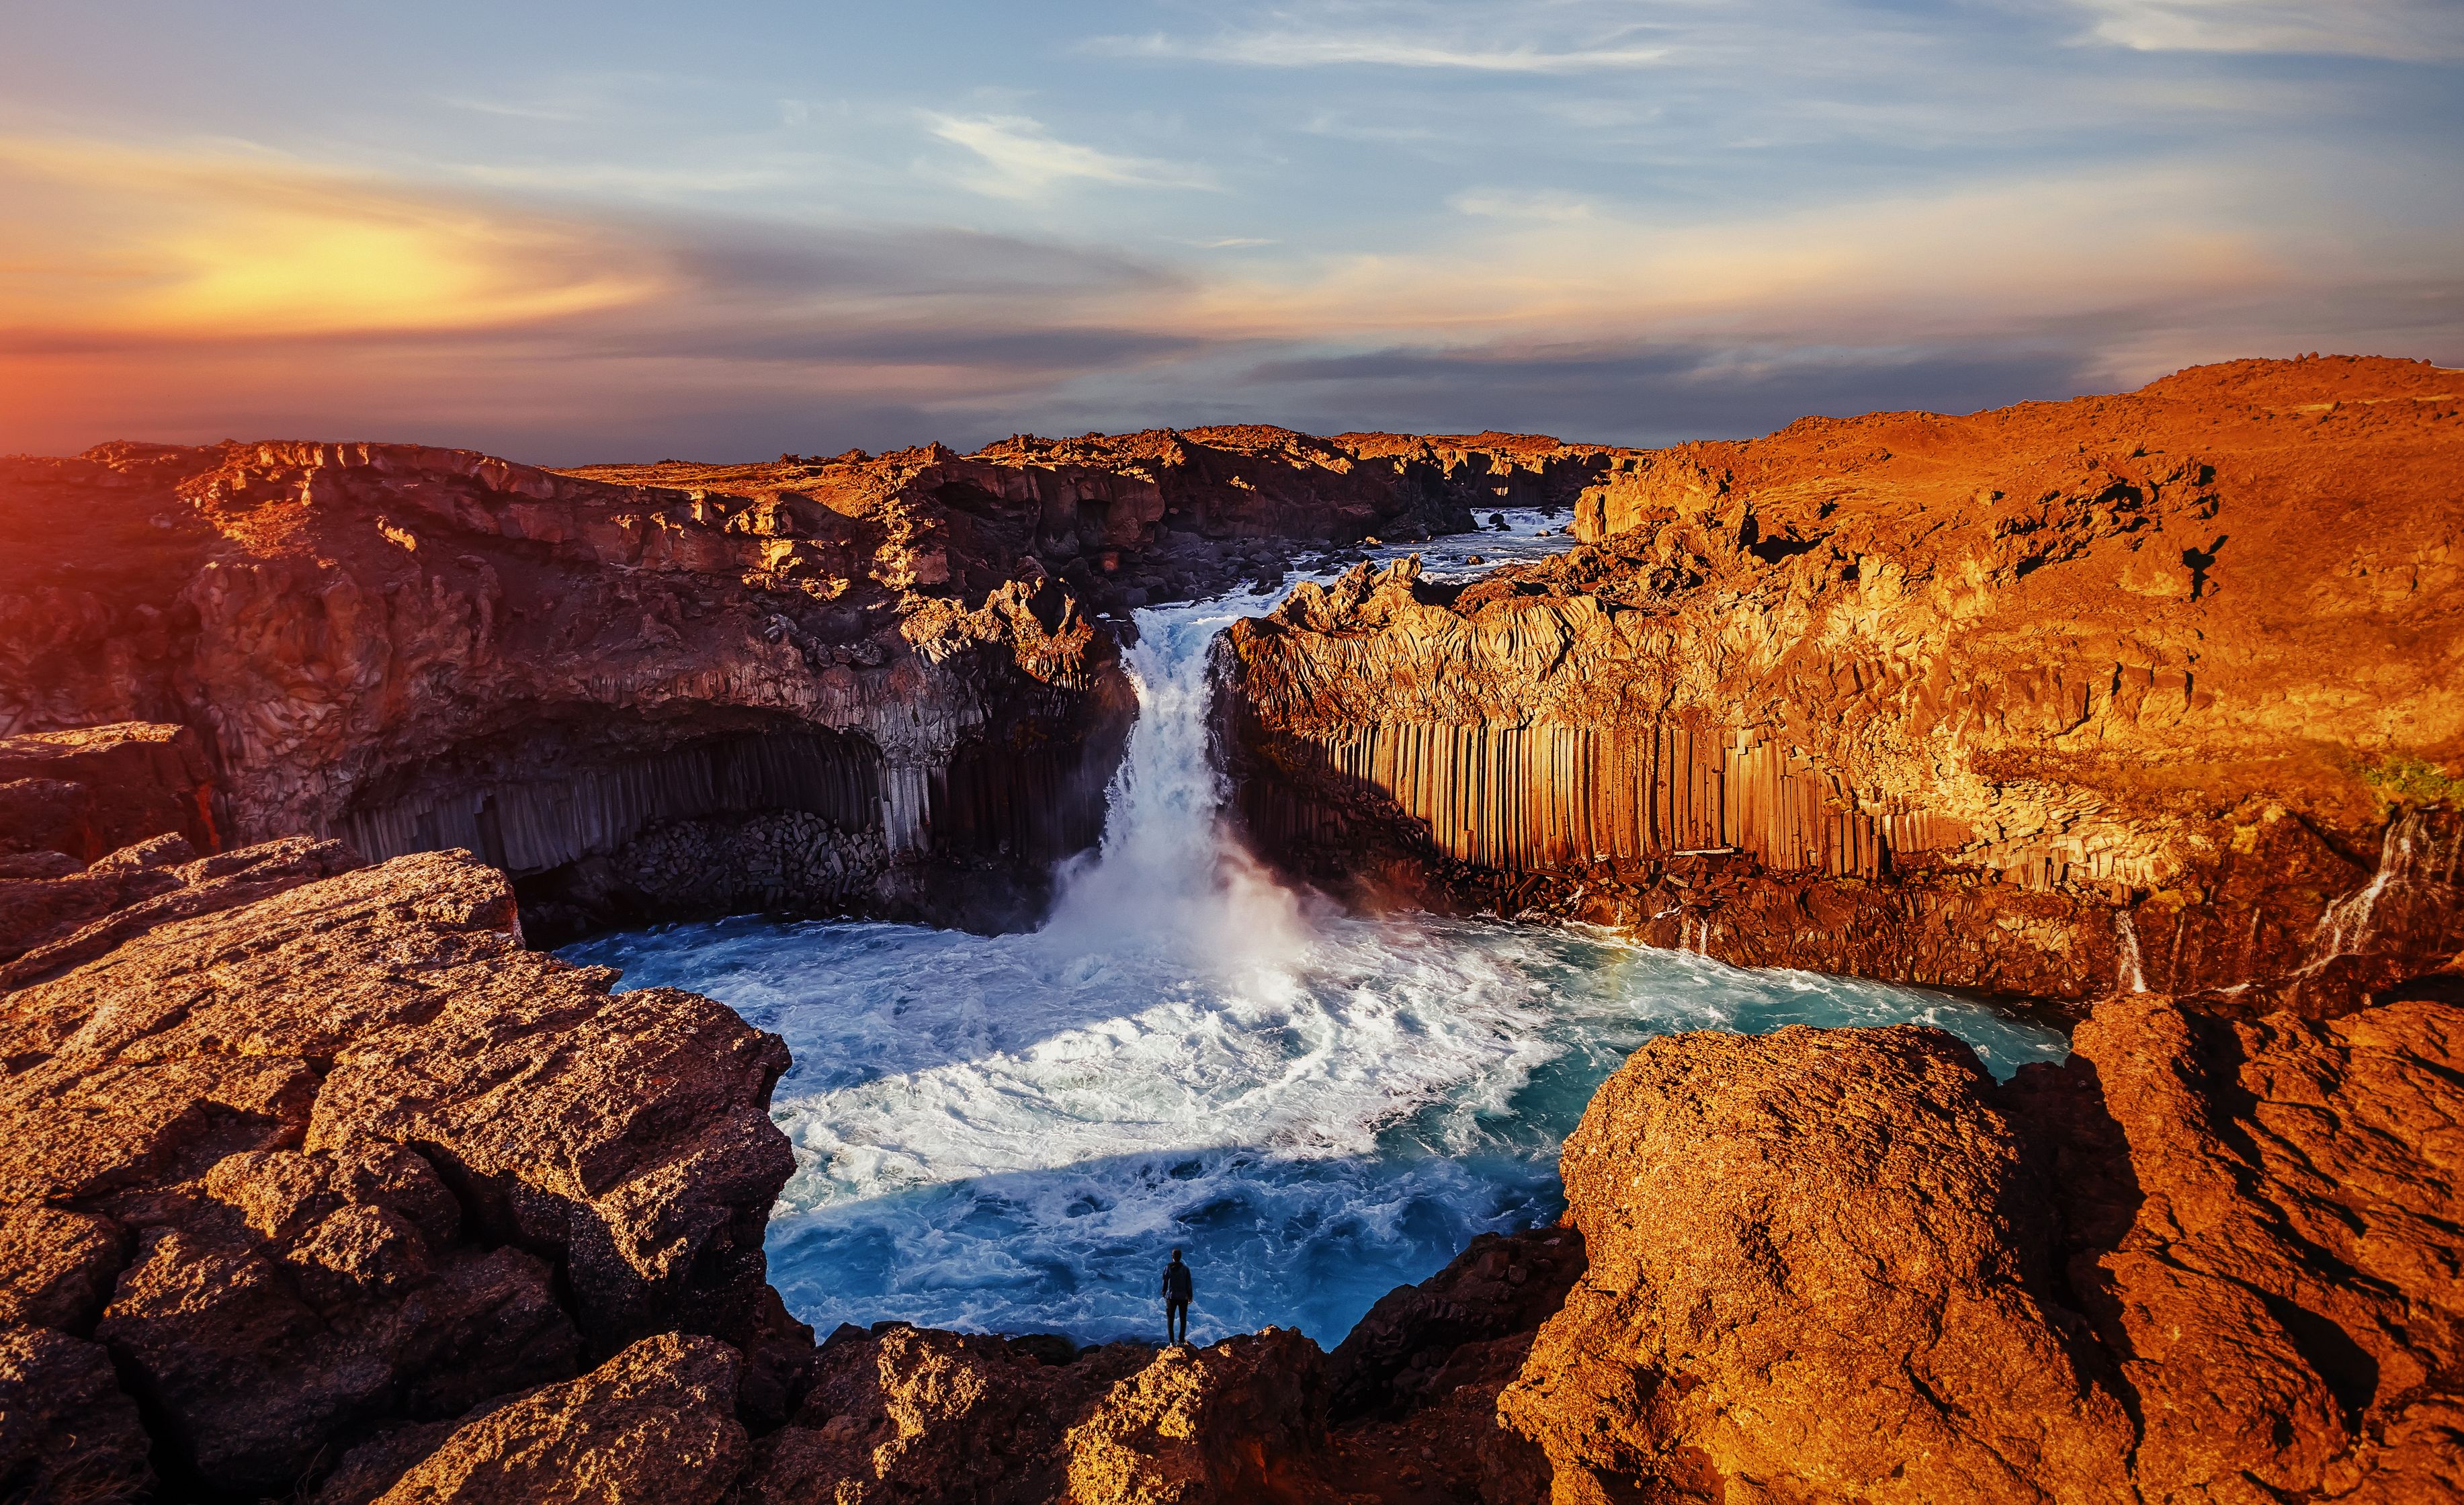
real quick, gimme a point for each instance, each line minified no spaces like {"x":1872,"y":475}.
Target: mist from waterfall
{"x":1170,"y":874}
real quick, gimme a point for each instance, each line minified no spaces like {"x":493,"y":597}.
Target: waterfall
{"x":2420,"y":863}
{"x":2129,"y":972}
{"x":1171,"y":873}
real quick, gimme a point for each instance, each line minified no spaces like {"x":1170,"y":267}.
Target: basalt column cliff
{"x":2157,"y":692}
{"x":866,"y":685}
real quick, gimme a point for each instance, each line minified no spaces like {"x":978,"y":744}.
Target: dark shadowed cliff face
{"x":2152,"y":691}
{"x":863,"y":684}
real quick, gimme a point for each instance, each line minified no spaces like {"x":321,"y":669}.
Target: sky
{"x":623,"y":232}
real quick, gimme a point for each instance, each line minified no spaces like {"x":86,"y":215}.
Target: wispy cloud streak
{"x":1295,"y":49}
{"x":1026,"y":159}
{"x":2405,"y":31}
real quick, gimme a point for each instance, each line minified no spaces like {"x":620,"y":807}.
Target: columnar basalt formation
{"x":2148,"y":692}
{"x":315,"y":1182}
{"x":876,"y":677}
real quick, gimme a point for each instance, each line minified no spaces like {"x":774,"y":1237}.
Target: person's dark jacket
{"x":1175,"y":1282}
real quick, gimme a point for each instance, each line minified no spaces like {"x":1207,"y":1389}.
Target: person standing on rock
{"x":1177,"y":1292}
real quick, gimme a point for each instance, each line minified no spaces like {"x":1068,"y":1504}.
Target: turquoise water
{"x":1010,"y":1133}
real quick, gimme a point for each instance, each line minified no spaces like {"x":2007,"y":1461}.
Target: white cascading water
{"x":2416,"y":884}
{"x":2130,"y":968}
{"x":1008,"y":1133}
{"x":1168,"y":872}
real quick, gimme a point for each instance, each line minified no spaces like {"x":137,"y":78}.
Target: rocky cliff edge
{"x":2150,"y":692}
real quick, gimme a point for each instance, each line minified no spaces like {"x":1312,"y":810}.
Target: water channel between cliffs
{"x":1006,"y":1133}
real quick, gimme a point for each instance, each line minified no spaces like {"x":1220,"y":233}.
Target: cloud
{"x":1522,"y":207}
{"x":1647,"y":393}
{"x":190,"y":296}
{"x":2409,"y":31}
{"x":1297,"y":49}
{"x":1970,"y":256}
{"x":186,"y":245}
{"x":1026,"y":159}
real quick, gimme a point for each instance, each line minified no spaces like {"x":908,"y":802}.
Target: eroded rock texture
{"x":2201,"y":1262}
{"x":68,"y":1433}
{"x":2147,"y":691}
{"x":312,"y":1156}
{"x":90,"y":790}
{"x":875,"y":677}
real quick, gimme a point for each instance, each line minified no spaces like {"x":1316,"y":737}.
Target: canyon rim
{"x":1980,"y":900}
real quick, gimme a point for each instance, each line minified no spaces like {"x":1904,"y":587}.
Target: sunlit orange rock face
{"x":2123,"y":691}
{"x":2199,"y":1262}
{"x":314,"y":1180}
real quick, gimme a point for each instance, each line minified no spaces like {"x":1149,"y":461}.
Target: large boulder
{"x":907,"y":1413}
{"x":1241,"y":1421}
{"x":1818,"y":1271}
{"x":2203,"y":1260}
{"x":2265,"y":1222}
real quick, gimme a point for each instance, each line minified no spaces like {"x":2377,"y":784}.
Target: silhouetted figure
{"x":1175,"y":1301}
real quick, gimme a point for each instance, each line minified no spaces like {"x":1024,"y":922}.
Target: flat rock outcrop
{"x":2143,"y":692}
{"x":1814,"y":1264}
{"x":2202,"y":1261}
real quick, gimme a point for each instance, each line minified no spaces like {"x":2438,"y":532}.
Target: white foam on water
{"x":1008,"y":1133}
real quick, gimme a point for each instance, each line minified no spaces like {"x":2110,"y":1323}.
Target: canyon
{"x":882,"y":674}
{"x":320,"y":1179}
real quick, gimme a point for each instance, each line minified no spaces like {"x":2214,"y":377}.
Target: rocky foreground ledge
{"x":315,"y":1184}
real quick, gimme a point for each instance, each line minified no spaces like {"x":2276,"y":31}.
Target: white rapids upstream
{"x":1007,"y":1133}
